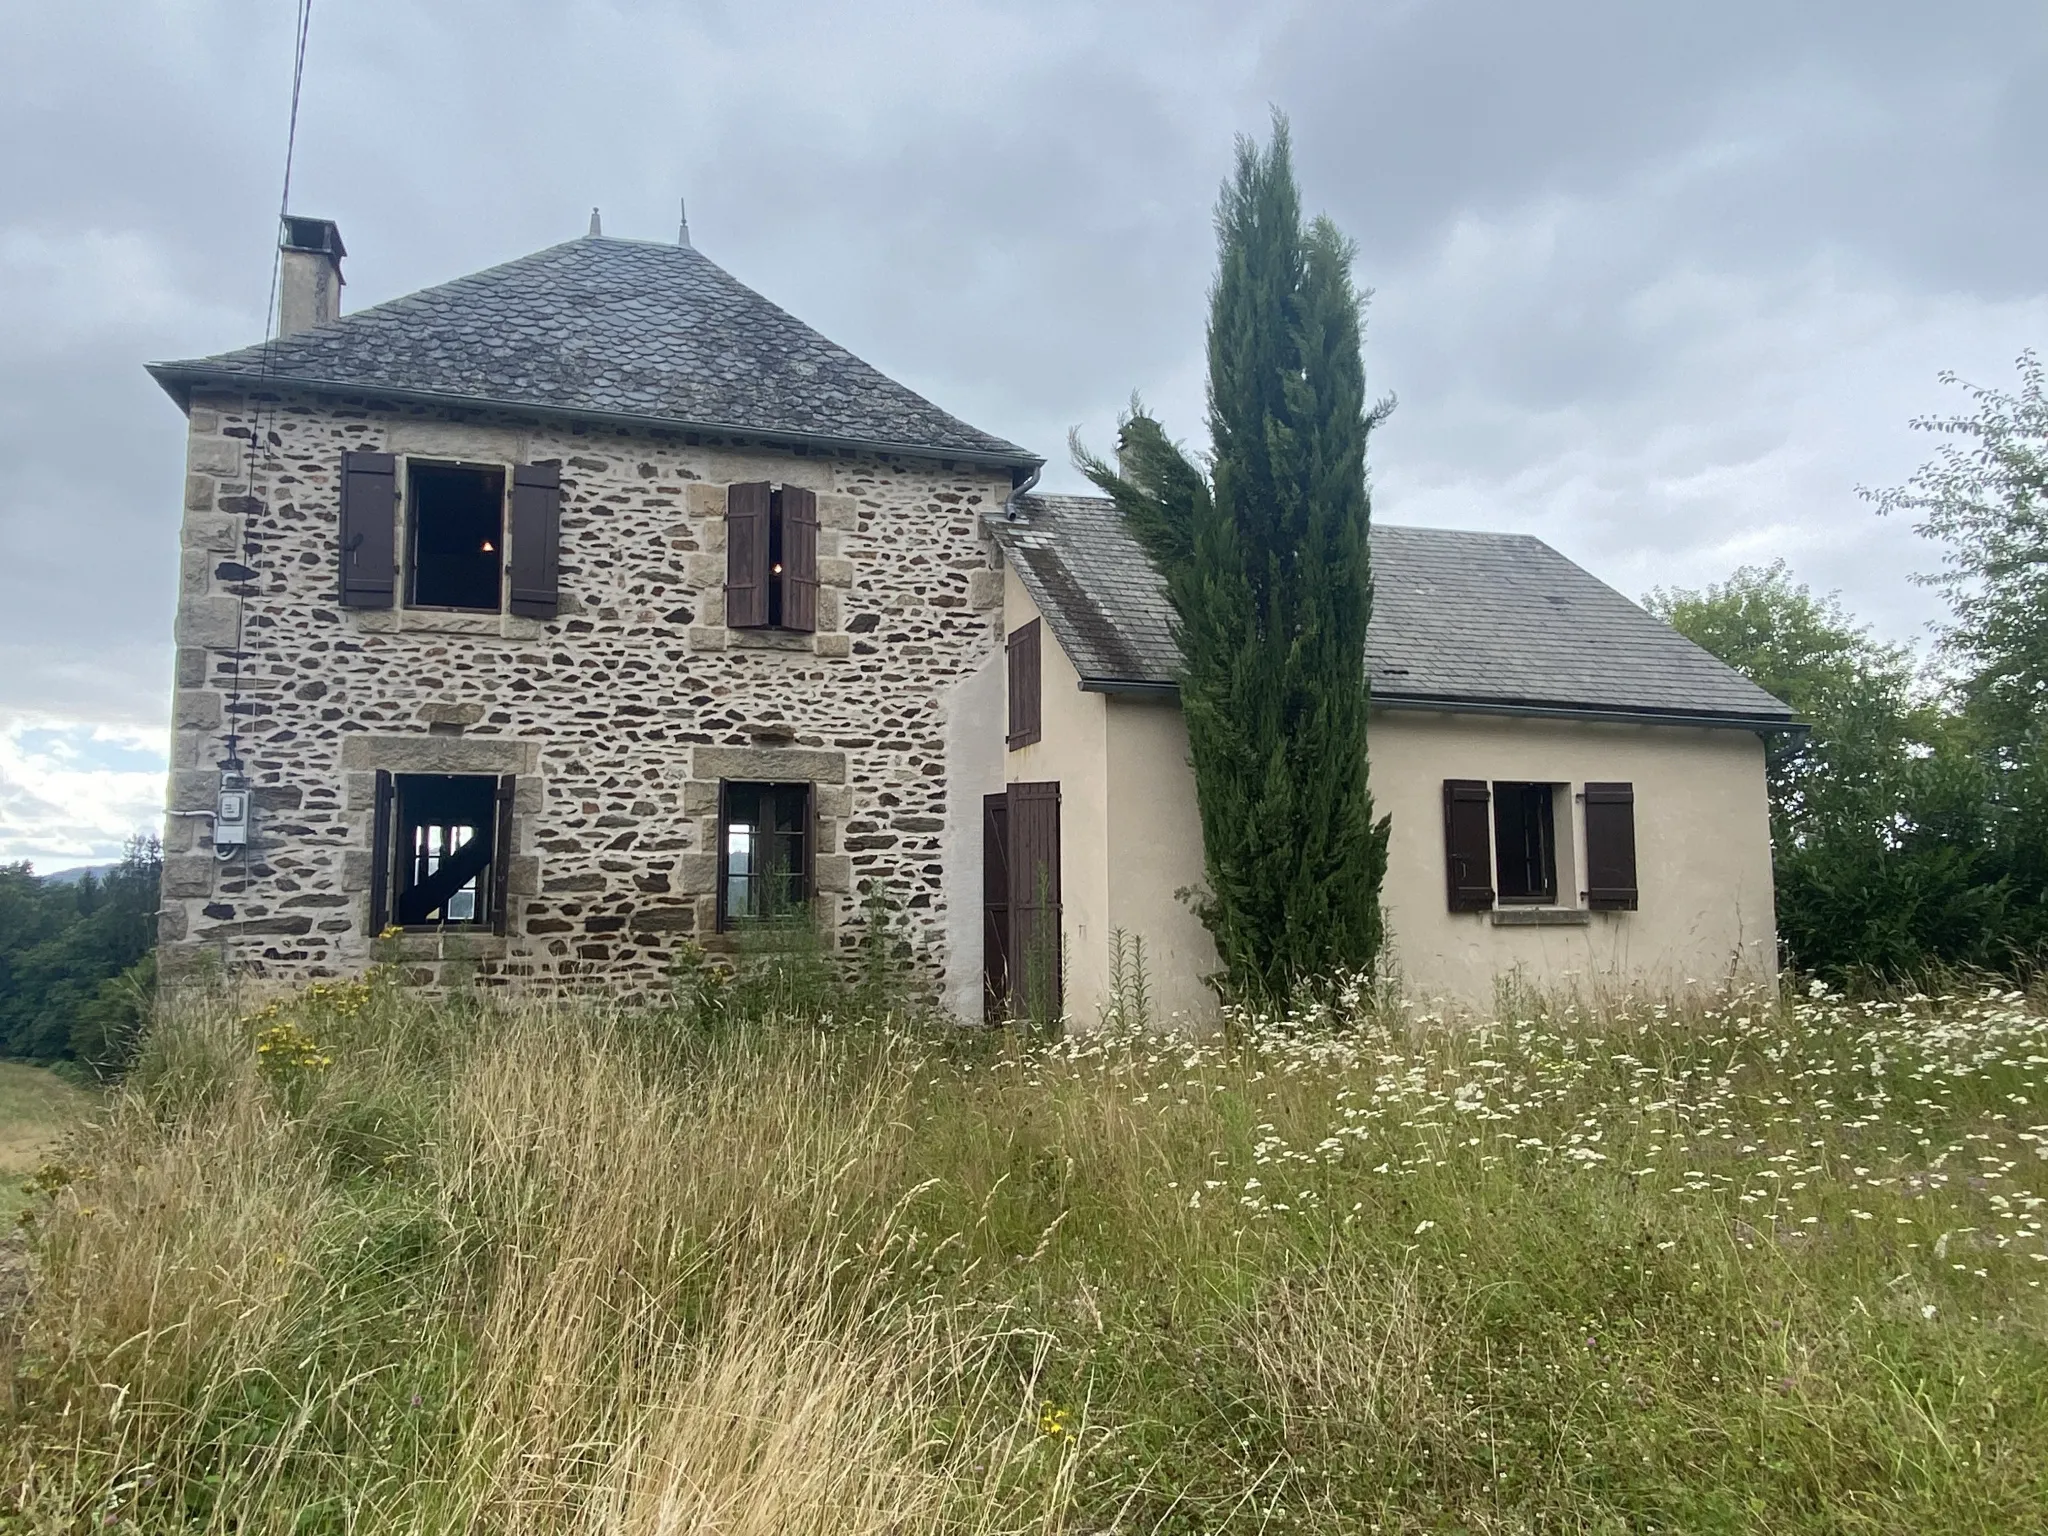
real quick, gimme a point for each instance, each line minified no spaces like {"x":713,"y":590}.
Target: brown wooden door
{"x":1037,"y":988}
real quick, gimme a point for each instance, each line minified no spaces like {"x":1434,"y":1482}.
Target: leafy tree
{"x":1855,"y":693}
{"x":1891,"y":852}
{"x":1984,"y":497}
{"x":77,"y":964}
{"x":1267,"y":568}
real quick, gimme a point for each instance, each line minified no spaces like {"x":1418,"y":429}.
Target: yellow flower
{"x":1052,"y":1420}
{"x":285,"y":1046}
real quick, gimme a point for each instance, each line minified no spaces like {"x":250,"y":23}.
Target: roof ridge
{"x":665,"y":245}
{"x":1377,"y":523}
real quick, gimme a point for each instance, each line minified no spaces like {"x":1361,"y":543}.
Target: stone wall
{"x":620,"y":716}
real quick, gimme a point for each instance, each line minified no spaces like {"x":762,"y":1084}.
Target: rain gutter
{"x":1137,"y":688}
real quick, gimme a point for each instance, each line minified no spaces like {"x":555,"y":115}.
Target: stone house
{"x":565,"y":612}
{"x":592,"y":605}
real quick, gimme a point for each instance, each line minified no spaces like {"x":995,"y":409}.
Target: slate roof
{"x":620,"y":330}
{"x":1486,"y":619}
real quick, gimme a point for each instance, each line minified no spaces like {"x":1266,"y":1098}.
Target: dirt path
{"x":37,"y":1109}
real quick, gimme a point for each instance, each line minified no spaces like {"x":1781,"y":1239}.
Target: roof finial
{"x":595,"y":227}
{"x":683,"y":234}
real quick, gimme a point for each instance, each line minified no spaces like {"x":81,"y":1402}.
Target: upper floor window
{"x":771,"y":557}
{"x":478,"y":537}
{"x":455,"y":536}
{"x":1021,"y":655}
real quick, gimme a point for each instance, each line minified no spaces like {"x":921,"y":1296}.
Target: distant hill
{"x":73,"y":876}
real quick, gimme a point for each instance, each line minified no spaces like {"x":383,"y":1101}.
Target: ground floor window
{"x":1504,"y":845}
{"x":765,"y":843}
{"x":1525,"y":843}
{"x":438,"y":842}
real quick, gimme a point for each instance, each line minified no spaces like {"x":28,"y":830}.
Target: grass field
{"x":362,"y":1263}
{"x":37,"y":1110}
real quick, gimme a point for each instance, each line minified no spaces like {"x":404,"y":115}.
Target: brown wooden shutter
{"x":380,"y":854}
{"x":1025,"y":687}
{"x":536,"y":540}
{"x":1036,"y":961}
{"x":369,"y":529}
{"x":799,"y":558}
{"x":995,"y":907}
{"x":809,"y":890}
{"x":501,"y":857}
{"x":1468,"y":844}
{"x":746,"y":555}
{"x":1611,"y":847}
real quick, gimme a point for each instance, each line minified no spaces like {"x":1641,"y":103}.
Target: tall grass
{"x":365,"y":1261}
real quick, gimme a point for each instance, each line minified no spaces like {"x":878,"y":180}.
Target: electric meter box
{"x":231,"y":819}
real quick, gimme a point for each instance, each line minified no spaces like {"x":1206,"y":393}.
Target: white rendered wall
{"x":1072,"y":750}
{"x":1157,"y":853}
{"x":1703,"y":856}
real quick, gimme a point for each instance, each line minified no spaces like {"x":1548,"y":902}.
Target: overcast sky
{"x":1658,"y":283}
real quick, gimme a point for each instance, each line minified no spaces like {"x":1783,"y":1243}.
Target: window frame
{"x":409,"y":528}
{"x":399,"y":861}
{"x":804,"y":895}
{"x":1507,"y":791}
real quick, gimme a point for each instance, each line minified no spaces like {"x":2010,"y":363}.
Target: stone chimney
{"x":309,"y":275}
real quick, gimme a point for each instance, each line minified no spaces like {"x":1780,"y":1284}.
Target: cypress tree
{"x":1267,"y":567}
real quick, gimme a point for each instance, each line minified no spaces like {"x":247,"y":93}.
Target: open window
{"x":1525,"y":844}
{"x":455,"y":527}
{"x":765,"y":843}
{"x":463,"y":536}
{"x":437,"y":848}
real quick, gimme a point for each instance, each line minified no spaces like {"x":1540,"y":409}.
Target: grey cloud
{"x":1660,"y":283}
{"x":1871,"y":123}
